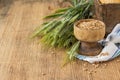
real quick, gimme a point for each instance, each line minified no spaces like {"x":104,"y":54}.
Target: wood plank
{"x":24,"y":59}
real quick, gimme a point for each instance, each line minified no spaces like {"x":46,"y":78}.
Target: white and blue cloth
{"x":111,"y":48}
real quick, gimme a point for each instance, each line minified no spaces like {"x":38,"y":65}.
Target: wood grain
{"x":24,"y":59}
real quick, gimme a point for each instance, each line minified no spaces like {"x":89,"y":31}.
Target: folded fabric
{"x":111,"y":48}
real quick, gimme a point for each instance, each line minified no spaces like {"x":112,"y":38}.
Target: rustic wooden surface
{"x":24,"y":59}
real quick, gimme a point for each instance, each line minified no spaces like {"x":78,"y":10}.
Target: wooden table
{"x":24,"y":59}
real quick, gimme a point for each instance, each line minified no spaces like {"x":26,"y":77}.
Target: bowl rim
{"x":84,"y":20}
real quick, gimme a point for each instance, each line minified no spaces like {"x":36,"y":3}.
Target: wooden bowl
{"x":89,"y":30}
